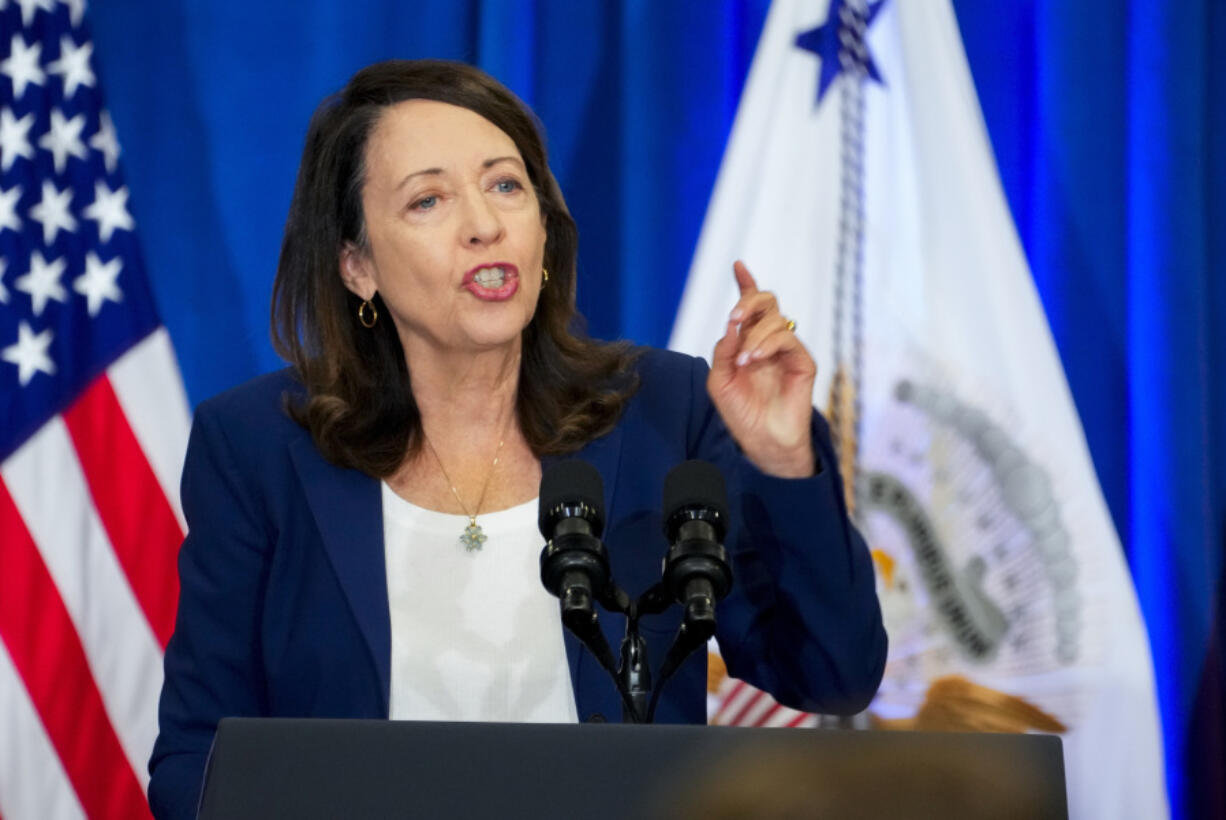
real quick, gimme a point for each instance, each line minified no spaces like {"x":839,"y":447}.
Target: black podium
{"x":304,"y":769}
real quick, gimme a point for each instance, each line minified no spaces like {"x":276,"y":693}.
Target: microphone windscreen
{"x":570,"y":484}
{"x":691,"y":485}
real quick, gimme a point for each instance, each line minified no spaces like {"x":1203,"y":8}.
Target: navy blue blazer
{"x":283,"y":607}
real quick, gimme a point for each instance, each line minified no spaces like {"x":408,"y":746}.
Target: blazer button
{"x":596,"y":717}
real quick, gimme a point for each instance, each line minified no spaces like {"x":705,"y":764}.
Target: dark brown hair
{"x":359,"y":406}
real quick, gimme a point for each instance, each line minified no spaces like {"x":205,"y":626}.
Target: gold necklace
{"x":473,"y":536}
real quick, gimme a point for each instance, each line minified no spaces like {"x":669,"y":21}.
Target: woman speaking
{"x":362,"y":525}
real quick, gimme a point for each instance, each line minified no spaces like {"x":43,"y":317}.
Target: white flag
{"x":877,"y":217}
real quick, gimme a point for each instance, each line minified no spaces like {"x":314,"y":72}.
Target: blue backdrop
{"x":1106,"y":119}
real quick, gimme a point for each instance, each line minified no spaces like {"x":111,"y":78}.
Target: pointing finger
{"x":744,"y":279}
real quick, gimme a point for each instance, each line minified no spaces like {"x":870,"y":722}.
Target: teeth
{"x":490,"y":277}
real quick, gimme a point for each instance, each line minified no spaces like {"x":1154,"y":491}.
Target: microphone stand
{"x":575,"y":567}
{"x":696,"y":629}
{"x":632,"y":676}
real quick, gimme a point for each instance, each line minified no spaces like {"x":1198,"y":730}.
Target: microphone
{"x":696,"y":571}
{"x":574,"y":562}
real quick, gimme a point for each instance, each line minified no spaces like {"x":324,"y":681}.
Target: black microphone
{"x":696,"y":571}
{"x":574,"y":562}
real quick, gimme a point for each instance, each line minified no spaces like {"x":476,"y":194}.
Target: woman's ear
{"x":355,"y":270}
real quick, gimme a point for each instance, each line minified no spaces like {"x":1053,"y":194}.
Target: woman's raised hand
{"x":761,"y":382}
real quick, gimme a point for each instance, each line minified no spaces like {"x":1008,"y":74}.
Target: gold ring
{"x":791,"y":325}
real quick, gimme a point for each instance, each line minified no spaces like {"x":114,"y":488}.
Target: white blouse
{"x":475,"y":636}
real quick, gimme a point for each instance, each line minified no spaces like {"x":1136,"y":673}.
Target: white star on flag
{"x":53,"y":211}
{"x":73,"y":65}
{"x":22,"y":65}
{"x":63,"y":138}
{"x":4,"y":292}
{"x":8,"y":209}
{"x":43,"y":282}
{"x":76,"y":11}
{"x":30,"y":353}
{"x":30,"y":7}
{"x":14,"y":138}
{"x":109,"y":210}
{"x":97,"y":284}
{"x":106,"y":142}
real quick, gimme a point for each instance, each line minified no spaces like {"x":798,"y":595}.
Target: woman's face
{"x":456,"y":236}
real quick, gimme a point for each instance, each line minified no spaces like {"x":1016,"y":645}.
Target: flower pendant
{"x":473,"y":537}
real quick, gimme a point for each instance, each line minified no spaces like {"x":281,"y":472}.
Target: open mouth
{"x":493,"y":283}
{"x":492,"y":278}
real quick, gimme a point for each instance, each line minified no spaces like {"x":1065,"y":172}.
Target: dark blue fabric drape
{"x":1106,"y":118}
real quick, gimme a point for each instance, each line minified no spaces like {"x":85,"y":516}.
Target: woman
{"x":362,"y":526}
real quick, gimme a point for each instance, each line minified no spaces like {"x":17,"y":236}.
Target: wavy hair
{"x":359,"y":405}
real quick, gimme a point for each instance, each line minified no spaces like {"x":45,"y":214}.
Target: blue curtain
{"x":1108,"y":131}
{"x":1106,"y":118}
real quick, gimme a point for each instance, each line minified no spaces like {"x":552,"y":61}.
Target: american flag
{"x":733,"y":702}
{"x":93,"y":426}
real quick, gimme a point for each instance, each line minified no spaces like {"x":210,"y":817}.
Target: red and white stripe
{"x":736,"y":703}
{"x":90,"y":527}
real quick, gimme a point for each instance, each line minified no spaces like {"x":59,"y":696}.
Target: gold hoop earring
{"x":544,"y":277}
{"x":368,"y":320}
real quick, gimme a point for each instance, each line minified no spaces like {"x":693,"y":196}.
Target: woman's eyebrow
{"x":489,"y":163}
{"x":426,"y":171}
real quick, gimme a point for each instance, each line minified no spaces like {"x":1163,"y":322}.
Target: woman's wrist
{"x":799,"y":462}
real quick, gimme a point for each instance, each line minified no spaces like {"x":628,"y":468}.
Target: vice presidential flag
{"x":859,"y":185}
{"x":93,"y":426}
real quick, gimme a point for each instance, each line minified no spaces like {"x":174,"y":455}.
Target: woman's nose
{"x":482,"y":222}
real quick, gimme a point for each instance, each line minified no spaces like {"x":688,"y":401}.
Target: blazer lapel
{"x":604,"y":454}
{"x":348,"y":510}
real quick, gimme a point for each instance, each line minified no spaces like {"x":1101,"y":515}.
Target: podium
{"x":291,"y":768}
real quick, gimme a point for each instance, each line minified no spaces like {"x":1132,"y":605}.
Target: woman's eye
{"x":425,"y":203}
{"x":506,"y":186}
